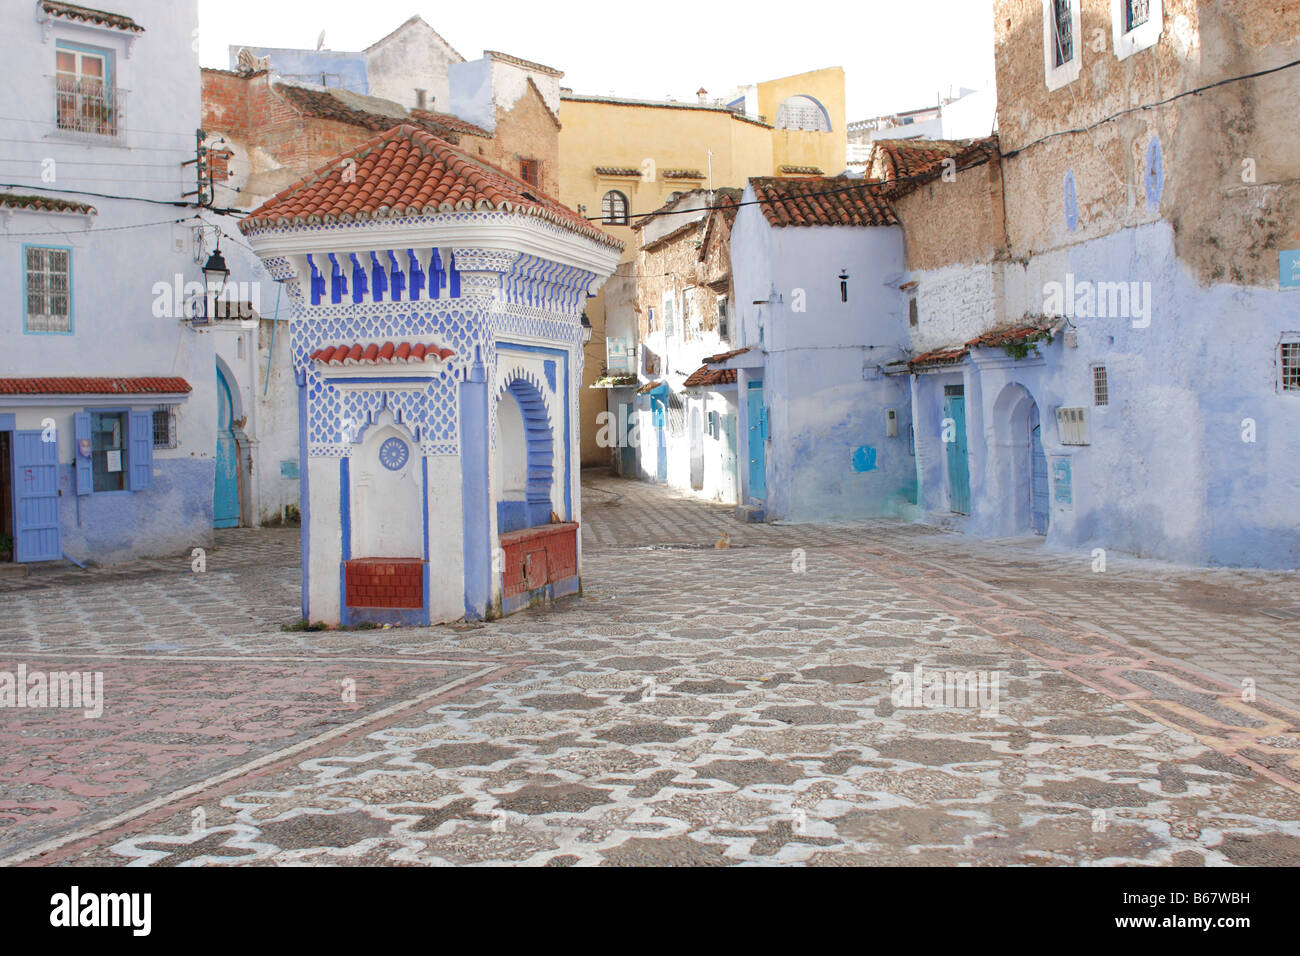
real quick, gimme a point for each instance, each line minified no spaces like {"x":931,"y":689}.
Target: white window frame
{"x":1059,"y":76}
{"x":1292,"y":339}
{"x":1141,"y":37}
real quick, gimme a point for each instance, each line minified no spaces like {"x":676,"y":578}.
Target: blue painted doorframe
{"x":225,"y":491}
{"x":954,"y":411}
{"x":756,"y":420}
{"x":1040,"y":503}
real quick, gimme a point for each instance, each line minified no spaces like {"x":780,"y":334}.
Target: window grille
{"x":1291,"y":366}
{"x":1100,"y":386}
{"x":1136,"y":13}
{"x":1063,"y":46}
{"x":614,"y":208}
{"x":48,"y":290}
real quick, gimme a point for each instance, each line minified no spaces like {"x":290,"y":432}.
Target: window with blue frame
{"x":85,"y":98}
{"x":47,"y":281}
{"x":108,"y":450}
{"x":114,"y":450}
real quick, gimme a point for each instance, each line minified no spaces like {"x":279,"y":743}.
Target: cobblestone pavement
{"x":697,"y":705}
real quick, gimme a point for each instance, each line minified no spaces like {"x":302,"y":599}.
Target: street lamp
{"x":215,"y":274}
{"x":586,"y":328}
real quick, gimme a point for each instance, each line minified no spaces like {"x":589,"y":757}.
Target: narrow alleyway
{"x":696,"y":705}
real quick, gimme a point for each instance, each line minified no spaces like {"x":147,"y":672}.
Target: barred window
{"x":1136,"y":13}
{"x":1063,"y":37}
{"x":164,"y":433}
{"x":1100,"y":386}
{"x":49,"y":298}
{"x":1290,"y":366}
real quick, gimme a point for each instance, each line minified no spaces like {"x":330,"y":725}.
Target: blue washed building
{"x":437,"y":341}
{"x":108,"y":407}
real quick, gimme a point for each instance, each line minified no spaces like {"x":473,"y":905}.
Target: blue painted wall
{"x":335,"y":69}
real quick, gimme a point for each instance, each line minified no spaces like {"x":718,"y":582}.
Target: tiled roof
{"x":451,"y":122}
{"x":802,"y":170}
{"x":1010,"y":335}
{"x":648,"y":387}
{"x":617,"y":171}
{"x":409,"y":172}
{"x":93,"y":386}
{"x":994,"y":338}
{"x":683,"y":174}
{"x":704,"y":376}
{"x":374,"y":354}
{"x":724,"y":356}
{"x":908,"y":164}
{"x":370,"y":112}
{"x":44,"y":204}
{"x":70,"y":11}
{"x":822,"y":201}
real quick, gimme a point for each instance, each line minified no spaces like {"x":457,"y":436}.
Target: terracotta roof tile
{"x":802,"y":170}
{"x":617,"y":171}
{"x":93,"y":386}
{"x":822,"y":201}
{"x":683,"y":174}
{"x":374,"y":354}
{"x":372,"y":113}
{"x":908,"y":164}
{"x":724,"y":356}
{"x":70,"y":11}
{"x":1010,"y":335}
{"x":704,"y":376}
{"x":937,"y":357}
{"x":44,"y":204}
{"x":648,"y":387}
{"x":409,"y":172}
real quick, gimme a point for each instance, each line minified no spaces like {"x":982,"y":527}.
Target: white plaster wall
{"x":326,"y":539}
{"x":470,"y":93}
{"x":954,"y":304}
{"x":384,"y":502}
{"x":413,"y":57}
{"x":446,"y":540}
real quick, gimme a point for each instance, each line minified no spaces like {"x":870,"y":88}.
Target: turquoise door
{"x":36,"y":498}
{"x":757,"y":422}
{"x":225,"y":492}
{"x":954,"y":411}
{"x":1038,"y":475}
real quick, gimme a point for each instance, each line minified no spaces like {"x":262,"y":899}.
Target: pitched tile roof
{"x":44,"y":204}
{"x":371,"y":112}
{"x":374,"y":354}
{"x":648,"y":387}
{"x":409,"y":172}
{"x":724,"y":356}
{"x":93,"y":386}
{"x":802,"y":170}
{"x":994,"y":338}
{"x":704,"y":376}
{"x":822,"y":201}
{"x":70,"y":11}
{"x":908,"y":164}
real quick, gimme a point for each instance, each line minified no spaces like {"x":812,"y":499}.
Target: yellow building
{"x":624,"y":158}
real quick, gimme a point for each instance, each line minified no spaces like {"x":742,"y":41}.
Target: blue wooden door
{"x":954,"y":411}
{"x":225,"y":492}
{"x":36,"y":498}
{"x":757,"y":427}
{"x":1038,"y":482}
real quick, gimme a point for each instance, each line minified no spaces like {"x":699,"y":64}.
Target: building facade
{"x":437,"y":345}
{"x":1106,"y":347}
{"x":108,"y":378}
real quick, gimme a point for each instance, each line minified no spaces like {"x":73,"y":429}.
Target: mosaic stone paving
{"x":702,"y":706}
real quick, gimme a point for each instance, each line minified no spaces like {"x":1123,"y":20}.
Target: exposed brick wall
{"x":385,"y":582}
{"x":539,"y":556}
{"x":528,"y":130}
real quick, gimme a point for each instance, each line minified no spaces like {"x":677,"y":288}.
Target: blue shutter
{"x":81,"y":429}
{"x":140,"y":451}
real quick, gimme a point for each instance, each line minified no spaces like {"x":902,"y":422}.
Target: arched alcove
{"x":387,"y":503}
{"x":1015,"y":449}
{"x":525,"y":457}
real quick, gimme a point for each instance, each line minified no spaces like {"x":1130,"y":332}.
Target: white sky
{"x":896,"y":54}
